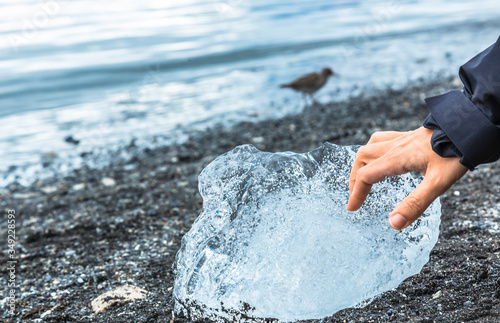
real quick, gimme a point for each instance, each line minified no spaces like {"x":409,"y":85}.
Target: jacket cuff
{"x":470,"y":131}
{"x":440,"y":142}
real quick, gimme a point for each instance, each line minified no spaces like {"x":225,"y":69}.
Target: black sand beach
{"x":82,"y":235}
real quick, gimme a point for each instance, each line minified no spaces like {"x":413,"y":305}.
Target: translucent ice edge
{"x":274,"y":239}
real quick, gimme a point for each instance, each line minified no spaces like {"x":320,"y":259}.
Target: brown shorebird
{"x":310,"y":83}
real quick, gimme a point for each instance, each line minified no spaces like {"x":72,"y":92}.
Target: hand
{"x":394,"y":153}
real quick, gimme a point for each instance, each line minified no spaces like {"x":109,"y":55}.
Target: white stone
{"x":274,"y":239}
{"x":122,"y":294}
{"x":437,"y":295}
{"x":258,"y":140}
{"x":49,"y":189}
{"x":107,"y":181}
{"x":78,"y":187}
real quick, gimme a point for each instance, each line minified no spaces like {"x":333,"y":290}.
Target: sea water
{"x":106,"y":73}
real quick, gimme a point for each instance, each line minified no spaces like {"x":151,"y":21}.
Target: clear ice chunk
{"x":274,"y":239}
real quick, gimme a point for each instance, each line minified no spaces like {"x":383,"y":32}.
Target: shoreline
{"x":83,"y":234}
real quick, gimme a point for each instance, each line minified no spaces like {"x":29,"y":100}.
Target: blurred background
{"x":82,"y":79}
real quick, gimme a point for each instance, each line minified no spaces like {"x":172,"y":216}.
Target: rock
{"x":78,"y":187}
{"x":123,"y":294}
{"x":107,"y":181}
{"x":483,"y":274}
{"x":437,"y":295}
{"x":47,"y":158}
{"x":71,"y":140}
{"x":49,"y":189}
{"x":274,"y":239}
{"x":24,"y":196}
{"x":258,"y":140}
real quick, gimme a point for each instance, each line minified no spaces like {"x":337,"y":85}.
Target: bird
{"x":310,"y":83}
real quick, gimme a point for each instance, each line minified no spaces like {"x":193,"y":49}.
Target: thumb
{"x":414,"y":205}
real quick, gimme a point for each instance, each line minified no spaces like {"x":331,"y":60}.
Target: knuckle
{"x":361,"y":174}
{"x":438,"y":183}
{"x":375,"y":137}
{"x":362,"y":152}
{"x":414,"y":203}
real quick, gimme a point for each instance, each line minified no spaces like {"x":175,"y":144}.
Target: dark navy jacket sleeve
{"x":467,"y":123}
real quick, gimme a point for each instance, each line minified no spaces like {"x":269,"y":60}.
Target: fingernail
{"x":397,"y":221}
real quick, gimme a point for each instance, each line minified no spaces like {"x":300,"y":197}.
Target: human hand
{"x":392,"y":153}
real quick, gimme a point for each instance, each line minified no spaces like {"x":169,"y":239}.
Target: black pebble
{"x":71,"y":140}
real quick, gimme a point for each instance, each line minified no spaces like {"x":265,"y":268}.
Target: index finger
{"x":364,"y":156}
{"x":374,"y":172}
{"x":370,"y":152}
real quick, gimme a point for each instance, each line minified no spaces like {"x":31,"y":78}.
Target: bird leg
{"x":304,"y":97}
{"x":313,"y":99}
